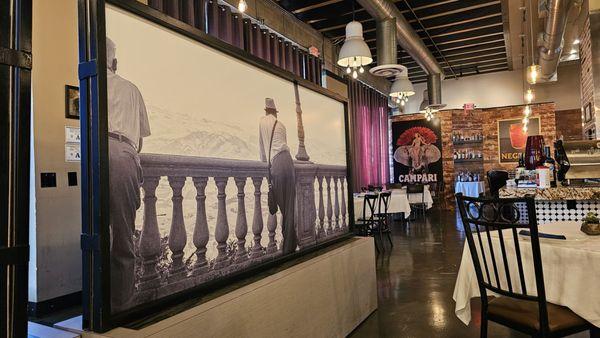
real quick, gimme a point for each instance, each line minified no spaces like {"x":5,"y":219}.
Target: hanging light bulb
{"x":242,"y":6}
{"x":529,"y":95}
{"x":348,"y":70}
{"x":402,"y":103}
{"x":533,"y":73}
{"x":361,"y":70}
{"x":354,"y":74}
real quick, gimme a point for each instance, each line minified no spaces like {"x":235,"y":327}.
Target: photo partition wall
{"x":201,"y":148}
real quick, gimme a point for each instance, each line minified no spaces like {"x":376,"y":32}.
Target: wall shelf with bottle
{"x":468,"y":160}
{"x":471,"y":142}
{"x":459,"y":138}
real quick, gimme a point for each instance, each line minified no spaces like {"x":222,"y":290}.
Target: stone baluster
{"x":321,"y":231}
{"x":201,"y":227}
{"x":329,"y":206}
{"x":241,"y":225}
{"x":272,"y":227}
{"x":257,"y":220}
{"x":222,"y":228}
{"x":344,"y":208}
{"x":336,"y":204}
{"x":150,"y":236}
{"x":177,"y":234}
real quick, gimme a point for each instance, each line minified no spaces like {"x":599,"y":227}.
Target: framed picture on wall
{"x":512,"y":139}
{"x":587,"y":112}
{"x":190,"y":171}
{"x":72,"y":102}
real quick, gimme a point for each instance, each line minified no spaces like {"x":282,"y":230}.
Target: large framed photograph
{"x":189,"y":139}
{"x":512,"y":139}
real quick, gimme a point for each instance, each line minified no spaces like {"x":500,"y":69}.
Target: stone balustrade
{"x":321,"y":214}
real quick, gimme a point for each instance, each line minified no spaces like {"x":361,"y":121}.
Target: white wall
{"x":55,"y":230}
{"x":503,"y":89}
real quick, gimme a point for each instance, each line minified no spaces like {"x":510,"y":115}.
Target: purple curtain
{"x":369,"y":136}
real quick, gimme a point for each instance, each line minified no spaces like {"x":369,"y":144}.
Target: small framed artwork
{"x":587,"y":112}
{"x":72,"y":102}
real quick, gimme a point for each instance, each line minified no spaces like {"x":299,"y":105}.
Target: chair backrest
{"x":491,"y":227}
{"x":384,"y":201}
{"x":496,"y":180}
{"x":369,"y":202}
{"x":416,"y":189}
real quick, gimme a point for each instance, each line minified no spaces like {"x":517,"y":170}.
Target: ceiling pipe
{"x":554,"y":31}
{"x":382,"y":10}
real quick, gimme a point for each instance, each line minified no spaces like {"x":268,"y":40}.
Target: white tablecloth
{"x":398,"y":204}
{"x":472,"y":189}
{"x":420,"y":198}
{"x":571,"y":271}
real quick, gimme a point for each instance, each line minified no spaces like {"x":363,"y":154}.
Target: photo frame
{"x":96,"y":255}
{"x":587,"y":113}
{"x":71,"y":102}
{"x":512,"y":139}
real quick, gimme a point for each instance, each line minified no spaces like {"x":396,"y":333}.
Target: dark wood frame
{"x":15,"y":118}
{"x":67,"y":112}
{"x":94,"y":171}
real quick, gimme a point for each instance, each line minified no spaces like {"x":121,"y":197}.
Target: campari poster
{"x":417,"y":149}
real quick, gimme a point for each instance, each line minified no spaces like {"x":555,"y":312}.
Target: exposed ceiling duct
{"x":385,"y":10}
{"x":387,"y":50}
{"x":557,"y":13}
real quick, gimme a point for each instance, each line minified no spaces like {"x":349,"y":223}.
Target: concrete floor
{"x":416,"y":282}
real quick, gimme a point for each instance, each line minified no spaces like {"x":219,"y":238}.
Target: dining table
{"x":424,"y":197}
{"x":471,"y":189}
{"x":398,"y":203}
{"x":571,"y":269}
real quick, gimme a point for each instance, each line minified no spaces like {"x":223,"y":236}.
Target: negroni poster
{"x":512,"y":139}
{"x":417,"y":152}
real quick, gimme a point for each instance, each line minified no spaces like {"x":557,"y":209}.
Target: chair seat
{"x":525,"y":313}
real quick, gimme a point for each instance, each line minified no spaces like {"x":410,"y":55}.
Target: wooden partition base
{"x":327,"y":296}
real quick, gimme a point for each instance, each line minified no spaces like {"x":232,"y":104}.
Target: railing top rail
{"x":195,"y":166}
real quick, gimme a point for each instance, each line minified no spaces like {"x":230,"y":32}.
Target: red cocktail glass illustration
{"x":518,"y":137}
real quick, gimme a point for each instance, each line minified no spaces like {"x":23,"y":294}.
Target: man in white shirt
{"x":272,"y":134}
{"x":127,"y":126}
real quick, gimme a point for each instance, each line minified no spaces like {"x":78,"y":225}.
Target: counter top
{"x":550,"y":194}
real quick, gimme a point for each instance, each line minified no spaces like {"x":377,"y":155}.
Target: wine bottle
{"x":550,"y":164}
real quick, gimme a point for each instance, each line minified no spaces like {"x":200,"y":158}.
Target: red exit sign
{"x":469,"y":106}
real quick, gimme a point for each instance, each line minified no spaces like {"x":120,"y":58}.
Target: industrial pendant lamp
{"x":402,"y":88}
{"x":355,"y":53}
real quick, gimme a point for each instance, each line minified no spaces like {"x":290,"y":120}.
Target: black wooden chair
{"x":419,"y":207}
{"x":486,"y":218}
{"x":367,"y":222}
{"x":382,"y":218}
{"x":438,"y":194}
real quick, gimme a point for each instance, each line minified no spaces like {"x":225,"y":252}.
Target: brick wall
{"x":486,"y":121}
{"x":568,"y":124}
{"x":546,"y":113}
{"x":586,"y":75}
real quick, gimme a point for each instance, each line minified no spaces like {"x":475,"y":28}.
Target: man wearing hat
{"x":283,"y":179}
{"x":127,"y":126}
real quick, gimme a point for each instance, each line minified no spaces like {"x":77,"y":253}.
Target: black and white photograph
{"x":202,"y":186}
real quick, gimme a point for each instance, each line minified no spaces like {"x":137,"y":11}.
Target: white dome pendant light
{"x":402,"y":88}
{"x":355,"y":53}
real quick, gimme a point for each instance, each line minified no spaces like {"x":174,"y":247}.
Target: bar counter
{"x":560,"y":203}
